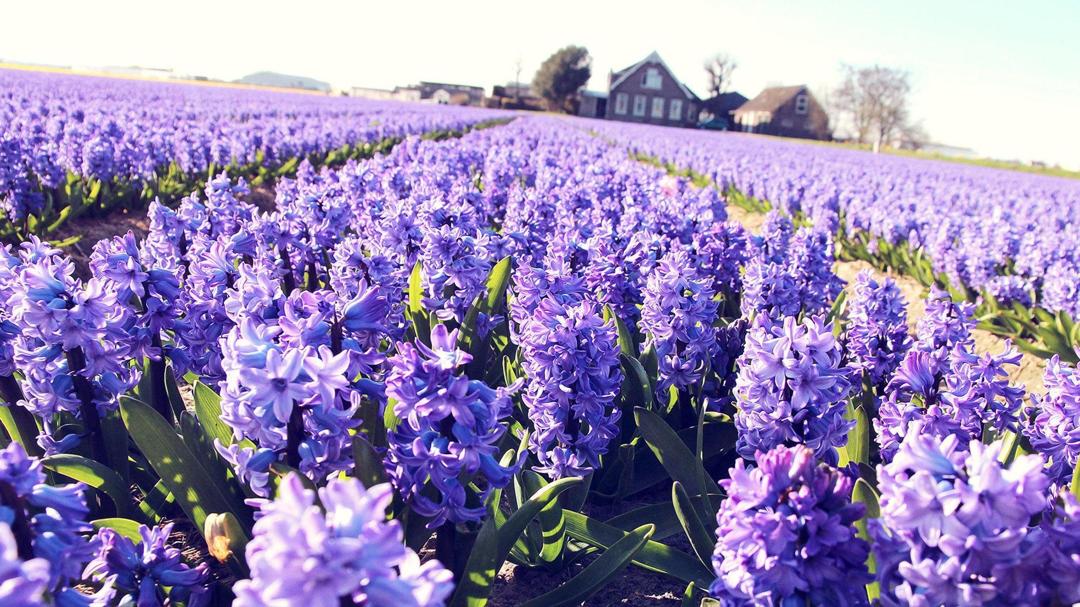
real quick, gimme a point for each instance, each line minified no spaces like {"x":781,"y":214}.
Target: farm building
{"x":787,"y":111}
{"x":649,"y":92}
{"x":716,"y":112}
{"x":592,"y":104}
{"x":451,"y":94}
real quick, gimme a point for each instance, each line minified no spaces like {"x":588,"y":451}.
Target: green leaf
{"x":494,"y":542}
{"x":1075,"y":487}
{"x":598,"y":573}
{"x":701,"y":540}
{"x":551,"y":523}
{"x":368,"y":466}
{"x":626,"y":339}
{"x":94,"y":474}
{"x":178,"y":468}
{"x":863,"y":493}
{"x":719,"y":439}
{"x":655,"y":556}
{"x":208,"y":412}
{"x":415,"y":309}
{"x":172,"y":391}
{"x":837,"y":308}
{"x":638,"y":390}
{"x":21,"y":427}
{"x":116,"y":445}
{"x":857,"y":448}
{"x":124,"y":526}
{"x":675,"y":456}
{"x":156,"y":501}
{"x":497,"y":282}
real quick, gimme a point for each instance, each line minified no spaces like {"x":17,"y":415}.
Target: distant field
{"x":985,"y":162}
{"x":102,"y":74}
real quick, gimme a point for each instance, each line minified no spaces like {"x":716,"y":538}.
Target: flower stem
{"x":294,"y":434}
{"x":20,"y":525}
{"x":91,"y":421}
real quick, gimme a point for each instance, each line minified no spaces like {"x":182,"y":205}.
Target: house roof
{"x":770,"y":99}
{"x":724,"y":103}
{"x":597,"y":94}
{"x":620,"y":76}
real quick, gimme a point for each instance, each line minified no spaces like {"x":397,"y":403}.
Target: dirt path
{"x":1028,"y":374}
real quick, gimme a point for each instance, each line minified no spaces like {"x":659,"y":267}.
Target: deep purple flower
{"x":1054,"y":429}
{"x":449,"y":430}
{"x":48,"y":522}
{"x":571,"y":361}
{"x":677,"y":319}
{"x":791,"y":388}
{"x":877,"y":333}
{"x":142,"y":572}
{"x":786,"y":534}
{"x":952,"y":520}
{"x":345,"y":550}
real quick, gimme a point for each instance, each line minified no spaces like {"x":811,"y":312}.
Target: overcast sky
{"x":1000,"y":77}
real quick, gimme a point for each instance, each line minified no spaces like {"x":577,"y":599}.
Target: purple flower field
{"x":519,"y":344}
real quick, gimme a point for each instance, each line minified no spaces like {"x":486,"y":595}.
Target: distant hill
{"x":285,"y":81}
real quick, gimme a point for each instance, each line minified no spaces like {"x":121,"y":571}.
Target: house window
{"x":802,"y":104}
{"x":652,"y":79}
{"x":621,"y":101}
{"x":675,"y":110}
{"x":639,"y":105}
{"x":658,"y":107}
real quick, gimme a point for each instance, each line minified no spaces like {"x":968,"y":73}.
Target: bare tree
{"x":874,"y":100}
{"x":719,"y":68}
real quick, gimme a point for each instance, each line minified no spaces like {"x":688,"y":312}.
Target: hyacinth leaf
{"x":172,"y":391}
{"x":1075,"y":486}
{"x":857,"y":448}
{"x":598,"y":573}
{"x":157,"y":500}
{"x":208,"y":411}
{"x":196,"y":493}
{"x":662,"y":515}
{"x":637,"y":388}
{"x":96,"y":475}
{"x":116,"y":445}
{"x":688,"y":598}
{"x":863,"y":493}
{"x":21,"y":428}
{"x":1010,"y":445}
{"x":836,"y":311}
{"x":494,"y":542}
{"x":368,"y":466}
{"x":655,"y":556}
{"x":626,"y":339}
{"x":124,"y":526}
{"x":202,"y":446}
{"x":416,"y":314}
{"x":390,"y":419}
{"x":552,"y":526}
{"x":701,"y":541}
{"x":674,"y":455}
{"x":650,"y":470}
{"x":497,"y":282}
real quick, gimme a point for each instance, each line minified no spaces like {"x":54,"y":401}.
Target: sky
{"x":1002,"y":78}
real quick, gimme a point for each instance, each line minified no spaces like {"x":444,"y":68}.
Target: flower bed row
{"x":74,"y":144}
{"x":469,"y":345}
{"x":996,"y":238}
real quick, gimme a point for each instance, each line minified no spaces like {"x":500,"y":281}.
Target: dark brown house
{"x":648,"y":92}
{"x":721,"y":107}
{"x":787,"y":111}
